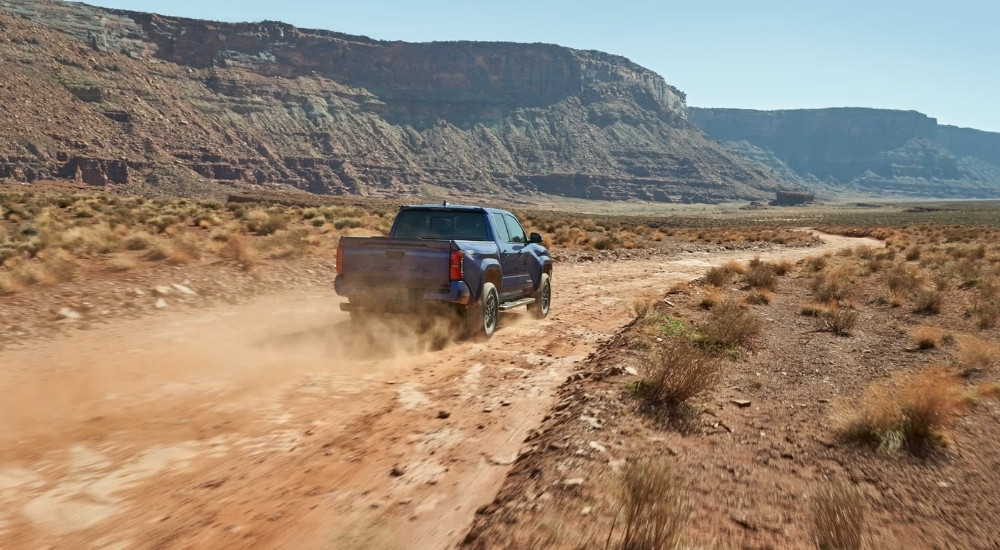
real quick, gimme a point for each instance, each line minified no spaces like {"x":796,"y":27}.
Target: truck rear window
{"x":441,"y":224}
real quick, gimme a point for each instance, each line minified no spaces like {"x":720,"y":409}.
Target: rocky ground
{"x":764,"y":439}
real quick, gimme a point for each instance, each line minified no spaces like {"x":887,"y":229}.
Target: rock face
{"x":187,"y":106}
{"x":866,"y":150}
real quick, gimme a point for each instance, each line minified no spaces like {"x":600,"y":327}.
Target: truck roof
{"x":447,"y":206}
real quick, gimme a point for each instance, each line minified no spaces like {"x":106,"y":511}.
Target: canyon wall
{"x":112,"y":97}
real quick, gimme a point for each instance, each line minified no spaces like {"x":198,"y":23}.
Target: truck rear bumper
{"x":367,"y":297}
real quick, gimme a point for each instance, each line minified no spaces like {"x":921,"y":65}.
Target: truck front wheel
{"x":481,"y":319}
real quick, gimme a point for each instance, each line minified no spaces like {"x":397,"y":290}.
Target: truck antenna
{"x":445,"y":204}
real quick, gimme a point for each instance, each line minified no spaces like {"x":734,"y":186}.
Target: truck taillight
{"x":455,"y":266}
{"x":340,"y":260}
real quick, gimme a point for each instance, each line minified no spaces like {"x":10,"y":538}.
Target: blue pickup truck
{"x":471,"y":260}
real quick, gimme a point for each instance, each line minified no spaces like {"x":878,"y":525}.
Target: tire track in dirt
{"x":277,"y":424}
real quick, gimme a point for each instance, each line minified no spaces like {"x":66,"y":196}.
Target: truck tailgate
{"x":396,"y":263}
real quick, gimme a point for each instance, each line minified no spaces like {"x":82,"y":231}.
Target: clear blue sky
{"x":940,"y":58}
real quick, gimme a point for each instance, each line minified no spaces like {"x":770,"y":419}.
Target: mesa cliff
{"x":869,"y":151}
{"x":165,"y":104}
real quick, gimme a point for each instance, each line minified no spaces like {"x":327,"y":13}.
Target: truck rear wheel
{"x":539,"y":309}
{"x":481,"y":319}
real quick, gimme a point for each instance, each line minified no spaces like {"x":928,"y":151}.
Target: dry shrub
{"x":927,"y":301}
{"x":975,"y":355}
{"x":909,"y":410}
{"x":929,"y":337}
{"x":238,"y":249}
{"x":28,"y":273}
{"x":654,"y":505}
{"x":122,"y":262}
{"x":140,"y":240}
{"x":59,"y":264}
{"x":838,"y":320}
{"x":730,"y":325}
{"x":85,"y":241}
{"x":816,"y":309}
{"x":718,"y":276}
{"x":262,"y":222}
{"x":760,"y":275}
{"x":643,"y":302}
{"x":901,"y":279}
{"x":760,"y":297}
{"x":178,"y":250}
{"x":838,"y":513}
{"x":783,"y":267}
{"x":913,"y":253}
{"x":987,"y":308}
{"x":817,"y":263}
{"x":676,"y":372}
{"x":9,"y":284}
{"x":834,"y":286}
{"x":286,"y":244}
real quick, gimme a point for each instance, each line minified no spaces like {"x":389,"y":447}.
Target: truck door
{"x":513,"y":258}
{"x":510,"y":262}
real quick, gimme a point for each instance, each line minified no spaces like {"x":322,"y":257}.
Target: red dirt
{"x":273,"y":423}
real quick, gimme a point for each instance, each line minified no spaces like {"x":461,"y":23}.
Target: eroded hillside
{"x":180,"y":105}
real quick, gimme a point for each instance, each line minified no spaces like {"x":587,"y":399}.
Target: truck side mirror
{"x":535,"y":238}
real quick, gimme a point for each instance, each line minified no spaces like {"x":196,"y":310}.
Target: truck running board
{"x":517,"y":303}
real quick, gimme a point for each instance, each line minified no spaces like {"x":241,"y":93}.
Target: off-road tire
{"x":481,"y":319}
{"x":539,"y":309}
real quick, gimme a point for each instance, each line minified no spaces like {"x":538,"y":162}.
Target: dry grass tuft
{"x":729,"y":326}
{"x":839,"y":515}
{"x":976,"y":355}
{"x":719,"y":276}
{"x":676,"y":372}
{"x":928,"y":301}
{"x":760,"y":297}
{"x":761,"y":275}
{"x":929,"y":337}
{"x":643,"y":302}
{"x":122,"y":262}
{"x":238,"y":249}
{"x":838,"y":320}
{"x":909,"y":410}
{"x":832,"y":286}
{"x":654,"y":505}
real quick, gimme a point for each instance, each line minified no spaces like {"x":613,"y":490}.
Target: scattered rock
{"x":741,"y":403}
{"x":632,"y":371}
{"x":67,"y":313}
{"x":443,"y":414}
{"x":594,"y":422}
{"x":161,"y":290}
{"x":572,"y":482}
{"x":505,"y":403}
{"x":598,"y":447}
{"x":183,"y":289}
{"x":397,"y":471}
{"x":160,"y":303}
{"x":275,"y":517}
{"x":586,"y":511}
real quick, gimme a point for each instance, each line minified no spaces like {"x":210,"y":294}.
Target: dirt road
{"x":275,"y":424}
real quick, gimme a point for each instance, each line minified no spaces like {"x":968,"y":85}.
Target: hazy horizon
{"x":937,"y":59}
